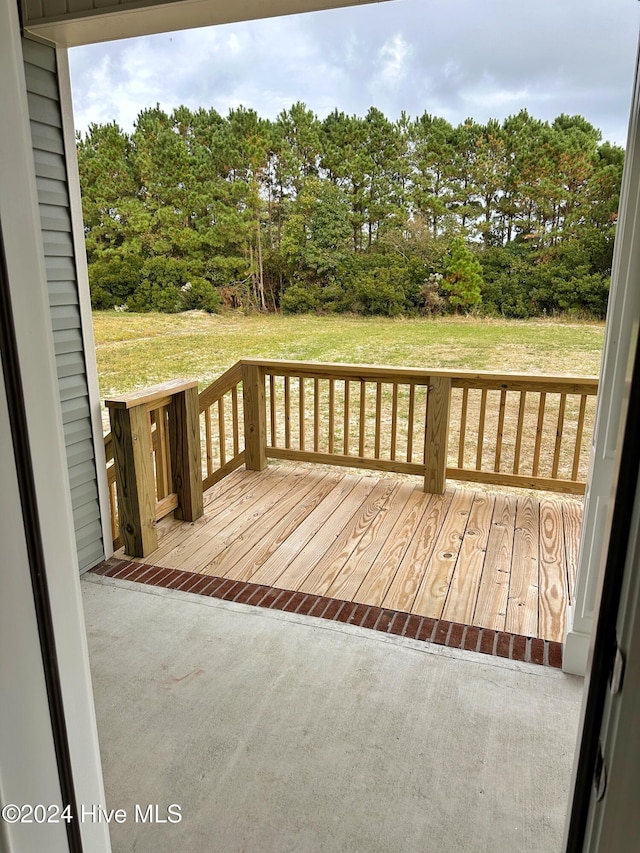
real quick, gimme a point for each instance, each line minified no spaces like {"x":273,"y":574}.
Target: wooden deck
{"x":494,"y":560}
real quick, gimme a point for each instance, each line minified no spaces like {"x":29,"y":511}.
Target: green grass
{"x":136,"y":350}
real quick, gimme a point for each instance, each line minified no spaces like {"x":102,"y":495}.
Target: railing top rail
{"x":459,"y":378}
{"x":220,"y":386}
{"x":149,"y":395}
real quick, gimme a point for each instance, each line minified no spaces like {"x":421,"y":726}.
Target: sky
{"x":452,"y":58}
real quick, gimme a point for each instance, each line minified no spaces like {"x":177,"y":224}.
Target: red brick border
{"x":438,"y":631}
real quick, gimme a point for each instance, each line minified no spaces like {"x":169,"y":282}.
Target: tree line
{"x":194,"y":210}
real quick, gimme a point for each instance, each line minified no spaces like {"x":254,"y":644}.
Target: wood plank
{"x":572,"y":522}
{"x":553,"y":579}
{"x":235,"y":419}
{"x":348,"y":461}
{"x":333,"y":560}
{"x":578,"y":440}
{"x":491,"y":605}
{"x":436,"y":579}
{"x":410,"y":421}
{"x":501,"y":411}
{"x":225,"y":529}
{"x":559,"y":433}
{"x":221,"y":432}
{"x":347,"y":424}
{"x":207,"y":442}
{"x":394,"y":422}
{"x":332,"y":414}
{"x":366,"y":552}
{"x":568,"y":487}
{"x":539,"y":429}
{"x":481,"y":420}
{"x":301,"y":414}
{"x":301,"y":566}
{"x":519,"y":428}
{"x":363,"y":418}
{"x":404,"y":587}
{"x":463,"y":590}
{"x":272,"y":410}
{"x":522,"y":603}
{"x":220,"y":514}
{"x":287,"y":411}
{"x":244,"y":556}
{"x":224,"y":492}
{"x":463,"y":427}
{"x":379,"y":578}
{"x":316,"y":415}
{"x":147,"y":396}
{"x":280,"y":568}
{"x":378,"y":421}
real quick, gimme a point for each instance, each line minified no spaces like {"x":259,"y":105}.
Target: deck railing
{"x":503,"y":429}
{"x":155,"y":448}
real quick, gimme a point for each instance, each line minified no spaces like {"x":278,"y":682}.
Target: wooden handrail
{"x":422,"y":376}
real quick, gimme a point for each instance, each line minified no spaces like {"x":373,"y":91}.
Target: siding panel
{"x":55,"y":218}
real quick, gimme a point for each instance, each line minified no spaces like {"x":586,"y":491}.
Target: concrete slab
{"x":277,"y":732}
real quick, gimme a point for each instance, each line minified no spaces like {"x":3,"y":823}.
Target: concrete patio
{"x":279,"y":732}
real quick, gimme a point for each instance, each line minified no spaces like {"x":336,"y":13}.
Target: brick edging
{"x":453,"y":635}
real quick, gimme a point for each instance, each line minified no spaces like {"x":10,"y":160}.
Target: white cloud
{"x":450,"y":57}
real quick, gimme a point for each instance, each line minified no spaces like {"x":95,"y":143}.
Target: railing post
{"x":255,"y":417}
{"x":133,"y":458}
{"x":186,"y":465}
{"x":436,"y":439}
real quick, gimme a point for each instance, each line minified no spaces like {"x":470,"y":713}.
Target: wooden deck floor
{"x":494,"y":560}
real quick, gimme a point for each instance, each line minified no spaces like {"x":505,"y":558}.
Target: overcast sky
{"x":453,"y":58}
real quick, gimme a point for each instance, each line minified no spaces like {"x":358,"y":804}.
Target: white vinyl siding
{"x":55,"y":218}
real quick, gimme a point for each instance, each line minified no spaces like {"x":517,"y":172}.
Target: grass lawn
{"x":136,"y":350}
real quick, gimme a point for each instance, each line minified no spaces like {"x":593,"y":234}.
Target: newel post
{"x":255,"y":417}
{"x":148,"y":488}
{"x":186,"y":465}
{"x":133,"y":457}
{"x":436,"y":439}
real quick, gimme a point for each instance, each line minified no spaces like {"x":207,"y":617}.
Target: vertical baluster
{"x":234,"y":411}
{"x":207,"y":441}
{"x":347,"y":403}
{"x":410,"y":420}
{"x":363,"y":416}
{"x":559,"y":432}
{"x":221,"y":430}
{"x":287,"y":412}
{"x":332,"y":406}
{"x":483,"y":414}
{"x":519,"y":428}
{"x":463,"y":426}
{"x":112,"y":508}
{"x":503,"y":403}
{"x":539,"y":428}
{"x":272,"y":409}
{"x":301,"y":411}
{"x":378,"y":424}
{"x":163,"y":471}
{"x":394,"y":422}
{"x":316,"y":415}
{"x":579,"y":431}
